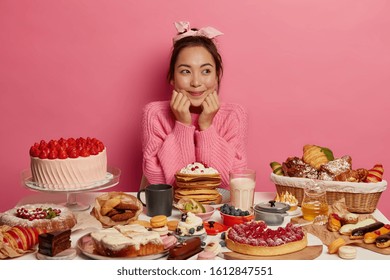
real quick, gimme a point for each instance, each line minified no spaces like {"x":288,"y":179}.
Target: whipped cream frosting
{"x":198,"y":168}
{"x":69,"y":173}
{"x":287,"y":197}
{"x":120,"y":237}
{"x":191,"y":222}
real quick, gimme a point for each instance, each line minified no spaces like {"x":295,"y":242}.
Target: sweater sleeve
{"x":223,"y":144}
{"x":168,"y":145}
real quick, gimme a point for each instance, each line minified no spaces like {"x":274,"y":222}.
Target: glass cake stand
{"x":111,"y":180}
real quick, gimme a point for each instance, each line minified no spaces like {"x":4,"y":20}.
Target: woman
{"x":194,"y":126}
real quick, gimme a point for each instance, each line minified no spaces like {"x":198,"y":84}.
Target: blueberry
{"x":203,"y":244}
{"x":222,"y":243}
{"x":183,"y":217}
{"x":246,"y":213}
{"x":199,"y":228}
{"x":211,"y":224}
{"x":191,"y":231}
{"x":223,"y":235}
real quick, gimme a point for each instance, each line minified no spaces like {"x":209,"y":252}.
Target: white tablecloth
{"x":86,"y":223}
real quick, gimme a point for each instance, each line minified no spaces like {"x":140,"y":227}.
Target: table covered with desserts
{"x":317,"y":244}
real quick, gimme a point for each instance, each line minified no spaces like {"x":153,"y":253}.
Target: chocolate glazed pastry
{"x":383,"y":241}
{"x":186,"y":249}
{"x":358,"y":233}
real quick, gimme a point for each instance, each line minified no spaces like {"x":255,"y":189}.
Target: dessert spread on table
{"x":45,"y":229}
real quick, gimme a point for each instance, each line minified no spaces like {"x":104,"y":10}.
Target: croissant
{"x":316,"y":155}
{"x":375,"y":174}
{"x":348,"y":176}
{"x":109,"y":205}
{"x":276,"y":168}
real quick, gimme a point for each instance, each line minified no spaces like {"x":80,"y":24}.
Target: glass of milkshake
{"x":242,"y":188}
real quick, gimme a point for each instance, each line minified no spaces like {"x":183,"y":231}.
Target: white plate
{"x":186,"y":237}
{"x":86,"y":246}
{"x":313,"y":240}
{"x":296,"y":212}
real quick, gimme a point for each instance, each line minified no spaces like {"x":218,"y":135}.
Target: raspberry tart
{"x":68,"y":163}
{"x":254,"y":238}
{"x":43,"y":217}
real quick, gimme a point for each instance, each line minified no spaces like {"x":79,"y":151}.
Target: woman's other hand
{"x":180,"y":106}
{"x":210,"y":108}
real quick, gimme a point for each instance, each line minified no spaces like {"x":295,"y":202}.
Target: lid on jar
{"x":272,"y":206}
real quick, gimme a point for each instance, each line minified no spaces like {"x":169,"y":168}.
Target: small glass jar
{"x":314,"y":201}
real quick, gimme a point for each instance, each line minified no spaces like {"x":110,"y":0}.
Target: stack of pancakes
{"x":200,"y":187}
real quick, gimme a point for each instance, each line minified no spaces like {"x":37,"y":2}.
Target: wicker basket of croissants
{"x":360,"y":187}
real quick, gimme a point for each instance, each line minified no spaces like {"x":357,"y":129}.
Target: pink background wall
{"x":307,"y":72}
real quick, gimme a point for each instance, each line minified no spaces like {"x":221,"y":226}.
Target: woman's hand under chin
{"x":210,"y":108}
{"x":180,"y":106}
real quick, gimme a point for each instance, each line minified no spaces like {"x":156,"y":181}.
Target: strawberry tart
{"x":68,"y":163}
{"x":254,"y":238}
{"x":43,"y":217}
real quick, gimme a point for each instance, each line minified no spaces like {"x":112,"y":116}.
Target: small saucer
{"x":68,"y":254}
{"x":296,"y":212}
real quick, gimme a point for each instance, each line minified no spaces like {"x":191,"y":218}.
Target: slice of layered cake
{"x":50,"y":244}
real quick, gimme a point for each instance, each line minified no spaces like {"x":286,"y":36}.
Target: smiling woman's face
{"x":195,"y":74}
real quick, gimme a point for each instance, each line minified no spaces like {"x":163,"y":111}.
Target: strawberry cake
{"x":68,"y":163}
{"x":254,"y":238}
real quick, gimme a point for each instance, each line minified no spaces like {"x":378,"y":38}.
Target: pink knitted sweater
{"x":169,"y":145}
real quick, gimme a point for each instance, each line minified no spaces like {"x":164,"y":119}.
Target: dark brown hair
{"x":195,"y":41}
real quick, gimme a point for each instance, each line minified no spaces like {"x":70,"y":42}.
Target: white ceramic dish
{"x":86,"y":246}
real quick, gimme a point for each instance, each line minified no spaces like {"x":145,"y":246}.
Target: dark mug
{"x":159,"y":199}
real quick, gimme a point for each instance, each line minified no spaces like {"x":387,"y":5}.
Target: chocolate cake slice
{"x":52,"y":243}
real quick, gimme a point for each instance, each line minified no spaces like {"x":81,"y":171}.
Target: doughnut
{"x":347,"y":252}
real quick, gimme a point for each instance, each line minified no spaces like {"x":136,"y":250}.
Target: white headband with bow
{"x":183,"y":27}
